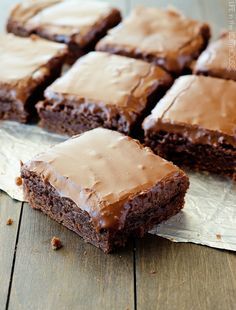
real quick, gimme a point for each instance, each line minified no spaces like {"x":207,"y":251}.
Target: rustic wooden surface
{"x":152,"y":273}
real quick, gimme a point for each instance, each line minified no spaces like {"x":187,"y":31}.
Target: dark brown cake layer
{"x":126,"y":89}
{"x":163,"y":37}
{"x":28,"y":66}
{"x":218,"y":60}
{"x":195,"y":125}
{"x":220,"y":160}
{"x":104,"y":186}
{"x":162,"y":202}
{"x":79,"y":24}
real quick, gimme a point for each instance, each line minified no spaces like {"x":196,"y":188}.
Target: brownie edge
{"x":104,"y":186}
{"x":194,"y":125}
{"x":161,"y":202}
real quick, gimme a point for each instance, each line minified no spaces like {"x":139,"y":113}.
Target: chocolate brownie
{"x":164,"y":37}
{"x":195,"y":124}
{"x":102,"y":90}
{"x":78,"y":23}
{"x":104,"y":186}
{"x":27,"y":67}
{"x":219,"y":59}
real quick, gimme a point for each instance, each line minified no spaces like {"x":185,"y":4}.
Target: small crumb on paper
{"x":19,"y":181}
{"x":56,"y":243}
{"x":218,"y":236}
{"x":9,"y":222}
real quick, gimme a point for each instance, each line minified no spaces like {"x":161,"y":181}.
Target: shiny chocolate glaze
{"x":100,"y":171}
{"x":200,"y":108}
{"x":218,"y":59}
{"x":164,"y":37}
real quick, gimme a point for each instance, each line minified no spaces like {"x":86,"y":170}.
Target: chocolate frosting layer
{"x":218,"y":59}
{"x":22,"y":57}
{"x":108,"y":79}
{"x":25,"y":64}
{"x":163,"y":36}
{"x":200,"y":108}
{"x":100,"y":171}
{"x":62,"y":19}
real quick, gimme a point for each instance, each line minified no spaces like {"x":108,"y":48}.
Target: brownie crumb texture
{"x":56,"y":243}
{"x":19,"y":181}
{"x":9,"y":222}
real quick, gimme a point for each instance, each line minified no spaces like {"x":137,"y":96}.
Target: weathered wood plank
{"x":175,"y":276}
{"x":8,"y":209}
{"x":78,"y":276}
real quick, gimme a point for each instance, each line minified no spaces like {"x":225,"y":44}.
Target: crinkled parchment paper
{"x":20,"y":143}
{"x":209,"y":216}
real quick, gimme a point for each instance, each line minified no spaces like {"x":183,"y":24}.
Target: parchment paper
{"x":209,"y":215}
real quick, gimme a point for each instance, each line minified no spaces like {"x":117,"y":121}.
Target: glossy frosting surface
{"x":110,"y":79}
{"x":219,"y":58}
{"x":151,"y":31}
{"x":100,"y":170}
{"x":62,"y":20}
{"x":21,"y":57}
{"x":72,"y":13}
{"x":198,"y":102}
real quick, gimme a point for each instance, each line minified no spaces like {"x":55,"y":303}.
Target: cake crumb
{"x":33,"y":37}
{"x":9,"y":221}
{"x":56,"y":243}
{"x":19,"y":181}
{"x":218,"y":236}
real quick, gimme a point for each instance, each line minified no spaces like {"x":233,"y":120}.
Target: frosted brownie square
{"x":102,"y":90}
{"x":219,"y":60}
{"x":104,"y":186}
{"x":163,"y":37}
{"x":77,"y":23}
{"x":27,"y":67}
{"x":195,"y":124}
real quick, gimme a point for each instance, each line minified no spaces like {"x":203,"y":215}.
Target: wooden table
{"x":152,"y":273}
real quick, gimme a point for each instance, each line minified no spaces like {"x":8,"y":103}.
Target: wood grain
{"x":78,"y":276}
{"x":8,"y":209}
{"x":175,"y":276}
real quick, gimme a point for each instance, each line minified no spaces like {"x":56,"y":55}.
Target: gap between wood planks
{"x":14,"y":257}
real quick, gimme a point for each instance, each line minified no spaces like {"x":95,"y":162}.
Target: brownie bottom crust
{"x":158,"y":204}
{"x":23,"y":111}
{"x":219,"y":160}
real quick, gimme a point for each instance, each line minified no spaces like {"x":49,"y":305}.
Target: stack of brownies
{"x":141,"y":77}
